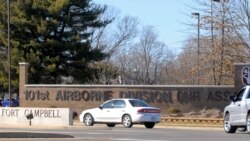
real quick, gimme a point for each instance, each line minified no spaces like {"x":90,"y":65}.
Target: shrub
{"x":174,"y":110}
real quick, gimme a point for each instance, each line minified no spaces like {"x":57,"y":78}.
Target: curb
{"x":165,"y":122}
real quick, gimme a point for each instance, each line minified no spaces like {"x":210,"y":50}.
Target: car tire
{"x":228,"y":128}
{"x":111,"y":125}
{"x":88,"y":120}
{"x":248,"y":123}
{"x":149,"y":124}
{"x":127,"y":121}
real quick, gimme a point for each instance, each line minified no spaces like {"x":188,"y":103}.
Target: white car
{"x":122,"y":111}
{"x":237,"y":113}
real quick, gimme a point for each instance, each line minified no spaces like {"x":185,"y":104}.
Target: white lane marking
{"x":127,"y":139}
{"x":94,"y":133}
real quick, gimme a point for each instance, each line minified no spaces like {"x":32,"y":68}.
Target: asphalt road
{"x":103,"y":133}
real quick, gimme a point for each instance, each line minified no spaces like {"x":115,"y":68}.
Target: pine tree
{"x":53,"y":36}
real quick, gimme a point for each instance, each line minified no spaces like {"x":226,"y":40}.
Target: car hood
{"x":91,"y":109}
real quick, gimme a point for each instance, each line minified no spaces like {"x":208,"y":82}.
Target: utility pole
{"x":198,"y":46}
{"x":212,"y":40}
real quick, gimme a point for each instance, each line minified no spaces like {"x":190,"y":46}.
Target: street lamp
{"x":198,"y":46}
{"x":9,"y":51}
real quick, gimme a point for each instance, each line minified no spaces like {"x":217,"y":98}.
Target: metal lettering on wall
{"x":150,"y":96}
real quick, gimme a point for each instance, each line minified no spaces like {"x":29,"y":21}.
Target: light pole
{"x":9,"y":52}
{"x":198,"y":46}
{"x":212,"y":39}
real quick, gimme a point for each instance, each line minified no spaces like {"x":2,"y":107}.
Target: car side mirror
{"x":100,"y":107}
{"x":232,"y":98}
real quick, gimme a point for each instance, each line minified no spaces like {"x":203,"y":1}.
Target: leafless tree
{"x":110,"y":39}
{"x":241,"y":20}
{"x":226,"y":48}
{"x":220,"y":47}
{"x":145,"y":62}
{"x":115,"y":36}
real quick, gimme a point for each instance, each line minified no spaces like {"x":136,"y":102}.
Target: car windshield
{"x":138,"y":103}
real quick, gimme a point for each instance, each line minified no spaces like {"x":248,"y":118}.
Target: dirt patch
{"x":204,"y":113}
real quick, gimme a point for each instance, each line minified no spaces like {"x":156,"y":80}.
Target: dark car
{"x":10,"y":102}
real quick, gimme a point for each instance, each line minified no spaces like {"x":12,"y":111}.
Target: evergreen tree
{"x":53,"y":36}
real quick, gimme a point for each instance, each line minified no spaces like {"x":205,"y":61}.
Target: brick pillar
{"x":23,"y":79}
{"x":242,"y":75}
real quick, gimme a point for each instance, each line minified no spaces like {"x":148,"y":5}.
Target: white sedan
{"x":122,"y":111}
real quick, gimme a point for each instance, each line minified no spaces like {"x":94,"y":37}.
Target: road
{"x":137,"y":133}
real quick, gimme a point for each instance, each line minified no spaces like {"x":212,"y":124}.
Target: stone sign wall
{"x":38,"y":116}
{"x":79,"y":97}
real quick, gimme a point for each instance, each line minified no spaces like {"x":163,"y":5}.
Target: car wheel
{"x":248,"y":123}
{"x":227,"y":125}
{"x":149,"y":124}
{"x":127,"y":121}
{"x":88,"y":120}
{"x":111,"y":125}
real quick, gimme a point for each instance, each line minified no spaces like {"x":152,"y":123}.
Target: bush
{"x":174,"y":110}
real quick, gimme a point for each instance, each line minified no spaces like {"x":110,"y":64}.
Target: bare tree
{"x":226,"y":47}
{"x":241,"y":20}
{"x":145,"y":61}
{"x":219,"y":47}
{"x":126,"y":31}
{"x":110,"y":39}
